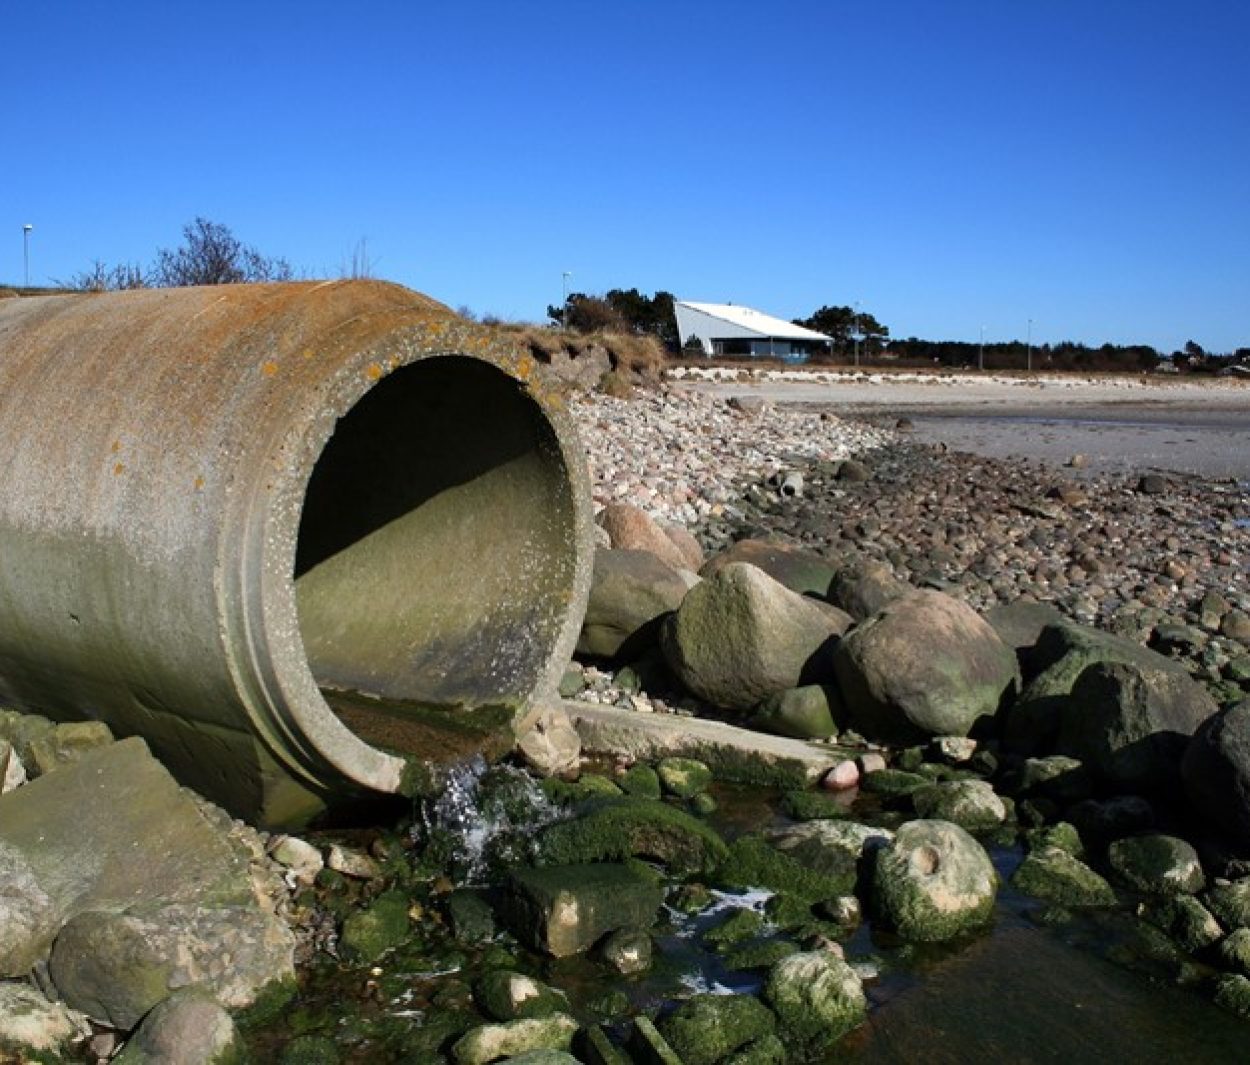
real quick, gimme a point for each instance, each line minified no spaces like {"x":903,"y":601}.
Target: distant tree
{"x":589,"y":314}
{"x":210,"y":254}
{"x":1195,"y":350}
{"x":842,"y":324}
{"x":102,"y":278}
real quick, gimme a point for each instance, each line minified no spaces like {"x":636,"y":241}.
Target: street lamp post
{"x":1028,"y":359}
{"x":855,"y":334}
{"x":981,"y":351}
{"x":565,"y":305}
{"x":26,"y":254}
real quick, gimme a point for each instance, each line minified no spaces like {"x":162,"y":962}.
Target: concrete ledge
{"x":733,"y":753}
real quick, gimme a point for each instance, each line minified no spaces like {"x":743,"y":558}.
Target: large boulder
{"x":112,"y":833}
{"x":806,"y":713}
{"x":1216,"y":771}
{"x":925,"y":665}
{"x":630,"y":592}
{"x":1062,"y":652}
{"x":970,"y":804}
{"x":741,"y":636}
{"x":933,"y":881}
{"x":800,"y":570}
{"x":1157,"y":864}
{"x":631,"y":529}
{"x":513,"y":1039}
{"x":115,"y":967}
{"x":1130,"y":723}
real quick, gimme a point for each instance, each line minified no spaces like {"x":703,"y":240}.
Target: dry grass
{"x":638,"y":360}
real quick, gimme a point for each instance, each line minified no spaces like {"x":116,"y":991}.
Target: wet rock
{"x":1157,"y":864}
{"x":933,"y":881}
{"x":628,"y":951}
{"x":740,"y":636}
{"x":379,"y":927}
{"x":893,"y":783}
{"x":630,"y":592}
{"x":688,"y":547}
{"x":1185,"y":920}
{"x":1054,"y":875}
{"x":926,"y":665}
{"x":565,"y":910}
{"x":753,"y":862}
{"x":1062,"y":835}
{"x":1235,"y":951}
{"x":352,"y":863}
{"x":115,"y":967}
{"x":803,"y":572}
{"x":12,"y":772}
{"x":1132,"y":723}
{"x":854,"y":471}
{"x":30,"y":1022}
{"x":1232,"y":992}
{"x":626,"y":828}
{"x":299,"y":856}
{"x":683,"y":777}
{"x":1057,"y":777}
{"x":471,"y":916}
{"x":842,"y":777}
{"x":189,"y":1027}
{"x":707,"y":1028}
{"x":504,"y":995}
{"x":551,"y":745}
{"x":767,"y":1051}
{"x":817,"y":998}
{"x":1020,"y":624}
{"x":1216,"y":770}
{"x":805,"y":713}
{"x":864,"y":588}
{"x":490,"y":1042}
{"x":834,"y":846}
{"x":970,"y":804}
{"x":1230,"y":902}
{"x":641,"y":781}
{"x":1152,"y":484}
{"x":649,"y":1047}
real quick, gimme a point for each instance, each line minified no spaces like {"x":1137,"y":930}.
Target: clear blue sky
{"x":947,"y":164}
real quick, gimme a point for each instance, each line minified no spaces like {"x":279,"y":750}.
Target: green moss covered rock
{"x":505,"y":995}
{"x":970,"y":804}
{"x":641,"y":781}
{"x":683,"y":777}
{"x":625,"y":828}
{"x":933,"y":881}
{"x":379,"y":927}
{"x":817,"y":999}
{"x":1157,"y":864}
{"x":752,"y":862}
{"x":490,"y":1042}
{"x":1056,"y":876}
{"x":707,"y":1028}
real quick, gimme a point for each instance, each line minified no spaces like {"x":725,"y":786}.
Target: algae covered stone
{"x":505,"y":995}
{"x":933,"y":881}
{"x":754,"y":863}
{"x":379,"y":927}
{"x":490,"y":1042}
{"x":817,"y":998}
{"x":707,"y":1028}
{"x":970,"y":804}
{"x":1157,"y":864}
{"x":627,"y":828}
{"x":805,"y":713}
{"x":190,"y":1028}
{"x":1056,"y":876}
{"x":683,"y":777}
{"x":565,"y":910}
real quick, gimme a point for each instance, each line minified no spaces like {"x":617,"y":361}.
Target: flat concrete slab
{"x":733,"y":753}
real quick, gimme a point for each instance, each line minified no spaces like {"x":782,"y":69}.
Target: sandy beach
{"x":1120,"y":424}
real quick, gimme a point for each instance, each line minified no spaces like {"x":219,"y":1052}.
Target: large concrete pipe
{"x":219,"y":503}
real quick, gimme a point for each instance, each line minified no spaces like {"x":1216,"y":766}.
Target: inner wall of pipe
{"x":435,"y":559}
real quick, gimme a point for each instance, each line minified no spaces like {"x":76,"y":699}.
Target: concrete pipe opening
{"x":432,"y":565}
{"x":291,"y":523}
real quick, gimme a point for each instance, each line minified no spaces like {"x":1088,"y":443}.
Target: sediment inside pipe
{"x":432,"y":564}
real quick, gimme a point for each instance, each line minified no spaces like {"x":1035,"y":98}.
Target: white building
{"x":727,"y":329}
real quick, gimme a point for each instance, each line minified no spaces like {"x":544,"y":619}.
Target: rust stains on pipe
{"x":218,"y":503}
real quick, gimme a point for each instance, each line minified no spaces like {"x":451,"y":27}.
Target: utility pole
{"x":855,"y":334}
{"x":565,"y":305}
{"x":26,"y":254}
{"x":1029,"y":349}
{"x":981,"y":351}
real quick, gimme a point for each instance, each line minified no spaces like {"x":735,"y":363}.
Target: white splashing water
{"x":486,"y":812}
